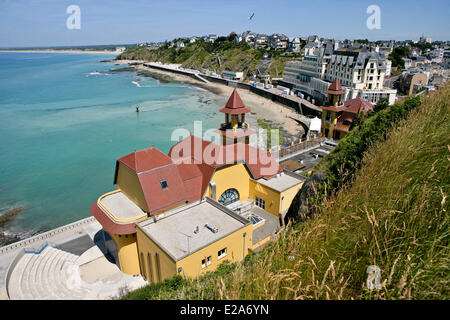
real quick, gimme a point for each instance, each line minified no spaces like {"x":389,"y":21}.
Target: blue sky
{"x":27,"y":23}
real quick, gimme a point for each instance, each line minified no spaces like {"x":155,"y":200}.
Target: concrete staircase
{"x":51,"y":274}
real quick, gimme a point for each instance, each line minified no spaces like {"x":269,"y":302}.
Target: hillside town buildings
{"x":362,"y":73}
{"x":364,"y":68}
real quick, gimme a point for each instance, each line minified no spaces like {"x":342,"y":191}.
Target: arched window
{"x":150,"y":271}
{"x":229,"y":196}
{"x":143,"y":272}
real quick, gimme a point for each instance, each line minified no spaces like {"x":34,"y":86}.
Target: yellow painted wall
{"x":128,"y":183}
{"x":271,"y":197}
{"x":260,"y":243}
{"x":167,"y":264}
{"x":232,"y":176}
{"x":192,"y":264}
{"x":288,"y":196}
{"x":237,"y":249}
{"x":329,"y":125}
{"x":127,"y":252}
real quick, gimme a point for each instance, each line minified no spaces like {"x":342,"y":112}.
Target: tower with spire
{"x":338,"y":115}
{"x":335,"y":93}
{"x":235,"y":129}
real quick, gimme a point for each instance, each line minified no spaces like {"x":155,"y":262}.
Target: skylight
{"x":164,"y":184}
{"x":255,"y":219}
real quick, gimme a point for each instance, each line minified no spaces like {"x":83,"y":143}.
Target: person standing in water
{"x":137,"y":108}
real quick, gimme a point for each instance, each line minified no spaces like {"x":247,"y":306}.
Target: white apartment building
{"x":261,"y":41}
{"x":360,"y":72}
{"x":437,"y":55}
{"x":294,"y":45}
{"x":388,"y":67}
{"x":408,"y":63}
{"x":248,"y":37}
{"x":426,"y":40}
{"x":278,"y":41}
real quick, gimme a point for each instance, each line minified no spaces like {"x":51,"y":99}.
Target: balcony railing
{"x":240,"y":125}
{"x":299,"y":145}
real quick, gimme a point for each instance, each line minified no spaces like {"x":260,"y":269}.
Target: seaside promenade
{"x":302,"y":106}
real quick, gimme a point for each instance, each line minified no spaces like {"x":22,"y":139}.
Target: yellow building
{"x":192,"y":241}
{"x":203,"y":203}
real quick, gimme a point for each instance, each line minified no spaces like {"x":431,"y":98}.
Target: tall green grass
{"x":393,"y":213}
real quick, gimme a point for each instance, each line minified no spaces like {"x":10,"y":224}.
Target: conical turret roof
{"x":335,"y":87}
{"x":234,"y":105}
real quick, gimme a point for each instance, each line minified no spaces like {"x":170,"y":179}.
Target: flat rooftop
{"x":269,"y":228}
{"x":281,"y":182}
{"x":121,"y":207}
{"x":172,"y":232}
{"x":309,"y":158}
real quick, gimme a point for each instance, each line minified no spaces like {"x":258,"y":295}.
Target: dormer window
{"x":164,"y":184}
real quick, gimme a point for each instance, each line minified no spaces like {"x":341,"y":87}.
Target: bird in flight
{"x":251,"y":17}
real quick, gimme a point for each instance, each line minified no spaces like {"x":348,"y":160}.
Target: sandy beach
{"x":274,"y":114}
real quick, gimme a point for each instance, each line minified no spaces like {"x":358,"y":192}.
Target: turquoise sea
{"x":65,"y":119}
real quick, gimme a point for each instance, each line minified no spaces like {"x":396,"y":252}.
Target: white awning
{"x":315,"y":125}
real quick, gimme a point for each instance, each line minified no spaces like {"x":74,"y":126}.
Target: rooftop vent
{"x":212,"y":228}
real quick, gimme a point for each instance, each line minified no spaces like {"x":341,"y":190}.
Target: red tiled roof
{"x":152,"y":166}
{"x":259,"y":162}
{"x":234,"y":105}
{"x":157,"y":198}
{"x":145,"y":159}
{"x":335,"y":87}
{"x":355,"y":106}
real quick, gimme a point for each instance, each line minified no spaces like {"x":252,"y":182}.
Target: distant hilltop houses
{"x":370,"y":70}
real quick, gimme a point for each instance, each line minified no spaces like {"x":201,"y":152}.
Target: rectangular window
{"x":206,"y":262}
{"x":222,"y":253}
{"x":260,"y":203}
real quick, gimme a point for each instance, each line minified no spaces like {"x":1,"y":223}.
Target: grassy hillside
{"x":233,"y":56}
{"x":392,"y":214}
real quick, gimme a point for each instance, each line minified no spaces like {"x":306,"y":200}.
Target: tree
{"x":232,"y":36}
{"x":397,"y":56}
{"x":382,"y":104}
